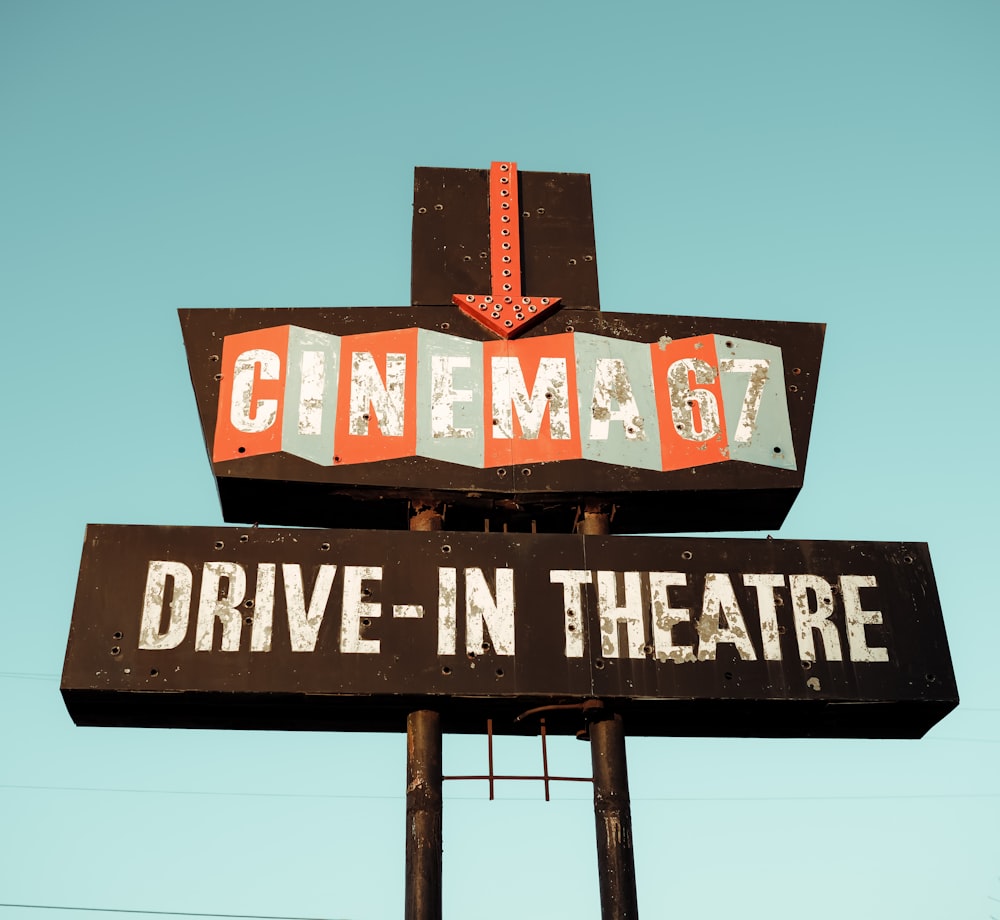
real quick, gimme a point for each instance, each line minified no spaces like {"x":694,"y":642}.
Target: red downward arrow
{"x":505,"y":310}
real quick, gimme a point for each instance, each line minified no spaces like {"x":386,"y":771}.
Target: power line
{"x":256,"y":795}
{"x":158,"y":913}
{"x":679,"y":798}
{"x":27,"y":675}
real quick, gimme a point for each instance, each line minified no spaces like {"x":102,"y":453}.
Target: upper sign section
{"x":458,"y":239}
{"x":503,"y":393}
{"x":682,"y":423}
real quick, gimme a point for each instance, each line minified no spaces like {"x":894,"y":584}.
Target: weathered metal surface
{"x":423,"y":816}
{"x":451,"y":236}
{"x":341,"y":417}
{"x":505,"y":310}
{"x":307,"y":629}
{"x":613,"y":818}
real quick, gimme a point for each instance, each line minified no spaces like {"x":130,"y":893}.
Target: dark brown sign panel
{"x":452,"y":239}
{"x":310,"y":629}
{"x":342,"y":417}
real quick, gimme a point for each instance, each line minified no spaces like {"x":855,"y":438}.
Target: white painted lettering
{"x":611,"y":385}
{"x":665,"y":617}
{"x":496,"y":614}
{"x":447,"y":611}
{"x":858,"y":619}
{"x":757,"y":369}
{"x":550,"y":393}
{"x":263,"y":608}
{"x":223,"y":588}
{"x":159,"y":574}
{"x":245,"y":413}
{"x":572,"y":581}
{"x":312,"y":368}
{"x":354,"y":609}
{"x":809,"y":618}
{"x":767,"y":608}
{"x":369,"y":393}
{"x":305,"y":620}
{"x":444,"y":396}
{"x":718,"y":604}
{"x":611,"y":614}
{"x":684,"y":398}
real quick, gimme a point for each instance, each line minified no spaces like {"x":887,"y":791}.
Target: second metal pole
{"x":423,"y":786}
{"x":612,"y":809}
{"x":423,"y":816}
{"x":613,"y":816}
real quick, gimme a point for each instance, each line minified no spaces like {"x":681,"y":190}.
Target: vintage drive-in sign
{"x":503,"y":393}
{"x":334,"y":629}
{"x":682,"y":423}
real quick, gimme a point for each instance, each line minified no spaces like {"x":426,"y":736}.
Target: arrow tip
{"x":505,"y":316}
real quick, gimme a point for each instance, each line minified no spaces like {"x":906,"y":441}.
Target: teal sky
{"x":806,"y":161}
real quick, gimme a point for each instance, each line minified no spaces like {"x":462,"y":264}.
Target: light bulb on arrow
{"x":505,"y":311}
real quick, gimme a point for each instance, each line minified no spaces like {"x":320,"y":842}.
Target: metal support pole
{"x":612,"y":811}
{"x":423,"y":785}
{"x":613,"y":816}
{"x":423,"y":816}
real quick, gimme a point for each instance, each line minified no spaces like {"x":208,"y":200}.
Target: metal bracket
{"x":545,"y":777}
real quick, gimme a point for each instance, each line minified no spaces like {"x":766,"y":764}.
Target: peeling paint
{"x":814,"y":618}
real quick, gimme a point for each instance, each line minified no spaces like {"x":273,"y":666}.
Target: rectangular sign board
{"x":344,"y":417}
{"x":351,"y":630}
{"x":451,"y":235}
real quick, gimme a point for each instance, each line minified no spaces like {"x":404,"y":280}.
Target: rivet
{"x":506,"y":287}
{"x":520,"y":316}
{"x":532,"y":309}
{"x":470,"y":298}
{"x":508,"y":323}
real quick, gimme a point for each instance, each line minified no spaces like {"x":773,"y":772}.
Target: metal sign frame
{"x":344,"y":630}
{"x":710,"y":488}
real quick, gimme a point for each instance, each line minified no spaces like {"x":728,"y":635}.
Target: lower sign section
{"x":341,"y":630}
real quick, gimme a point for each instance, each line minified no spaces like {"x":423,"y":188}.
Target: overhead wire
{"x":158,"y":913}
{"x":466,"y":798}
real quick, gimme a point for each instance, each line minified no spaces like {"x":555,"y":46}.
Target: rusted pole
{"x":423,"y":787}
{"x":612,"y":810}
{"x":423,"y":816}
{"x":613,"y":816}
